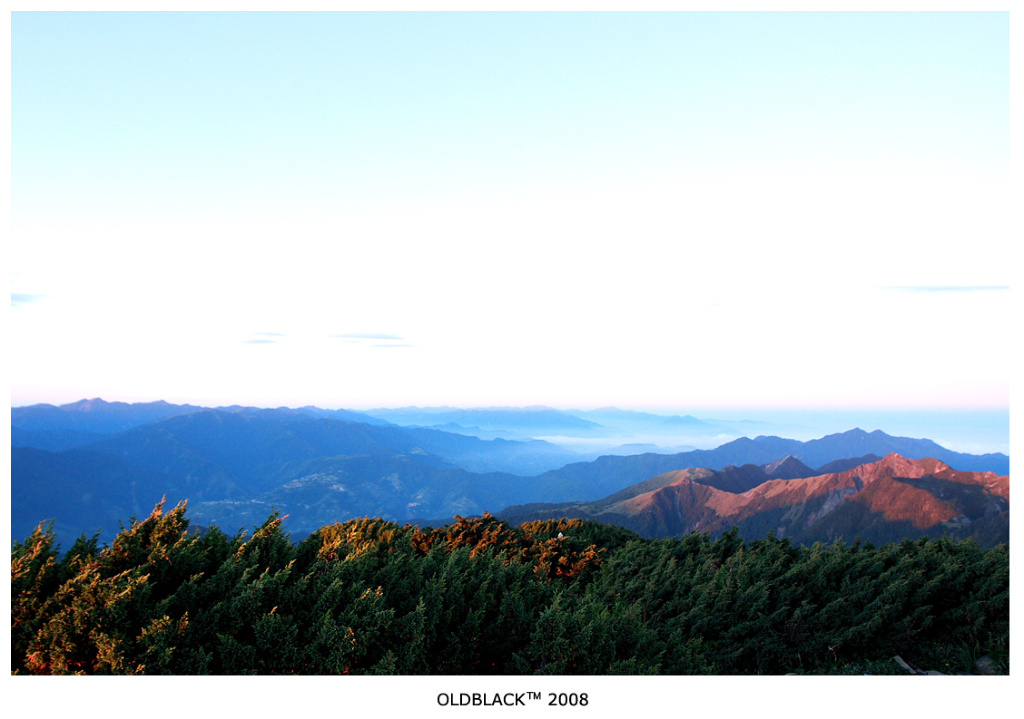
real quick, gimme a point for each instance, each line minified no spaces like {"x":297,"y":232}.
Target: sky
{"x":680,"y":210}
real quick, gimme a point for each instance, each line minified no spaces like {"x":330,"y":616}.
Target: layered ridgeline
{"x":235,"y":465}
{"x":887,"y":500}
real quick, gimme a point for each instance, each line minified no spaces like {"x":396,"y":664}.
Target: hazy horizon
{"x":972,"y":430}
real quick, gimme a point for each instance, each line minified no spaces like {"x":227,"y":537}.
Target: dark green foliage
{"x":482,"y":597}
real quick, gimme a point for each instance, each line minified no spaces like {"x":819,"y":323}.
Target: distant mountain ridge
{"x":47,"y":426}
{"x":491,"y":421}
{"x":883,"y":501}
{"x":260,"y":446}
{"x":95,"y":416}
{"x":237,"y":456}
{"x":592,"y":480}
{"x":234,"y":463}
{"x":612,"y":416}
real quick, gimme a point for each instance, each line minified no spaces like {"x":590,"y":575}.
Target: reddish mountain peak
{"x":683,"y":484}
{"x":895,"y":491}
{"x":896,"y":465}
{"x":784,"y":492}
{"x":685,"y":476}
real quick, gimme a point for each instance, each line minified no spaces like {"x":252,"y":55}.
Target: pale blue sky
{"x":184,"y":113}
{"x":672,"y":209}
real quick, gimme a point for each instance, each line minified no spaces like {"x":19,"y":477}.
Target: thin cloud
{"x":949,"y":288}
{"x":23,"y":298}
{"x":263,"y":338}
{"x":402,"y":345}
{"x":368,"y":336}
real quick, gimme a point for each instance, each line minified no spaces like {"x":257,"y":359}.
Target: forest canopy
{"x":480,"y":596}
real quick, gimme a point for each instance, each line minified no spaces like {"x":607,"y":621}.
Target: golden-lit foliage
{"x":481,"y":596}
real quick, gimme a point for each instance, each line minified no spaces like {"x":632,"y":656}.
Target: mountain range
{"x":237,"y":464}
{"x":881,"y":501}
